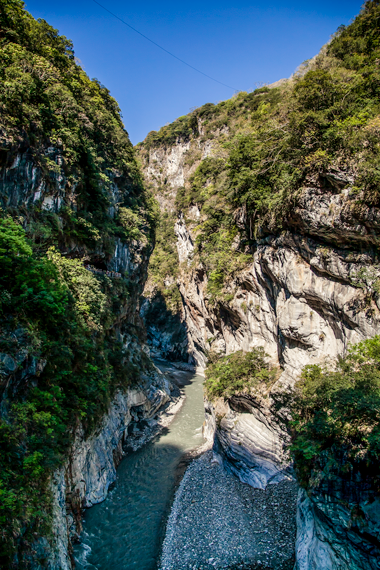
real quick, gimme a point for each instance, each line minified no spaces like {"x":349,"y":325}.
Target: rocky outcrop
{"x":298,"y":298}
{"x":304,"y":297}
{"x":28,"y":179}
{"x":166,"y":332}
{"x":252,"y":445}
{"x":332,"y":534}
{"x":91,"y":468}
{"x":169,"y":167}
{"x":24,"y":183}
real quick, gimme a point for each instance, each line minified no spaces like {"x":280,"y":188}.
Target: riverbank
{"x":127,"y":529}
{"x":141,"y":432}
{"x":218,"y":522}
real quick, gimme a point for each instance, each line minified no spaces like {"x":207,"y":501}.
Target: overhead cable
{"x":163,"y":49}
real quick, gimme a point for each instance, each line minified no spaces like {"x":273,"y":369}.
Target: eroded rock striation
{"x":91,"y":468}
{"x":75,"y":377}
{"x":298,"y":297}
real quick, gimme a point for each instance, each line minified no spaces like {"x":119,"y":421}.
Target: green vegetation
{"x":164,"y":263}
{"x":335,"y":409}
{"x":238,"y":372}
{"x":48,"y":103}
{"x":60,"y":347}
{"x":206,"y":173}
{"x":279,"y":140}
{"x":63,"y":313}
{"x":337,"y":416}
{"x":325,"y":118}
{"x":182,"y":128}
{"x":221,"y":260}
{"x":131,"y":223}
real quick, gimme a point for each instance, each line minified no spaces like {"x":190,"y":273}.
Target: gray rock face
{"x":91,"y":468}
{"x":184,"y":242}
{"x":252,"y":448}
{"x":166,"y":333}
{"x":19,"y":368}
{"x":338,"y":519}
{"x":301,"y":305}
{"x":326,"y":537}
{"x":23,"y":182}
{"x":173,"y":165}
{"x":298,"y":298}
{"x":301,"y":309}
{"x":288,"y":300}
{"x":251,"y":443}
{"x":92,"y":463}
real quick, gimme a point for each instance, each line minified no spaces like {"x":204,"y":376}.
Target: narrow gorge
{"x":237,"y":247}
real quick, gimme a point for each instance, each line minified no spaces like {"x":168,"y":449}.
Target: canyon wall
{"x":76,"y":234}
{"x":298,"y":297}
{"x":269,"y":238}
{"x":90,"y":469}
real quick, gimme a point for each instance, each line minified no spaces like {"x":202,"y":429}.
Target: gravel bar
{"x":218,"y":522}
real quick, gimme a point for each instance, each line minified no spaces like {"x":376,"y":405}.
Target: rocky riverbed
{"x":218,"y":522}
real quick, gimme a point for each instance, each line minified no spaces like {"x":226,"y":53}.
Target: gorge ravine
{"x":126,"y":530}
{"x":266,"y":239}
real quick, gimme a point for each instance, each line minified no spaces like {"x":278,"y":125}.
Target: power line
{"x":163,"y":49}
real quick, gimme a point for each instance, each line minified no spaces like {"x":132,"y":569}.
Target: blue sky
{"x":242,"y":44}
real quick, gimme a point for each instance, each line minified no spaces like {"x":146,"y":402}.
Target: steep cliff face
{"x":76,"y":233}
{"x":278,"y":252}
{"x":26,"y":364}
{"x":298,"y":298}
{"x":167,"y":169}
{"x":327,"y":537}
{"x":91,"y":468}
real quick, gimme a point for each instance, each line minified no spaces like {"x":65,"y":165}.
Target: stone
{"x":299,"y":300}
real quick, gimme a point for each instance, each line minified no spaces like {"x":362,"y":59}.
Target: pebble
{"x":220,"y":523}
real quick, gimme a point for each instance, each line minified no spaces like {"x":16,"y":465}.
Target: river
{"x":125,"y":531}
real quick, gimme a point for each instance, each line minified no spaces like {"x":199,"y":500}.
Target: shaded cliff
{"x":76,"y":233}
{"x":274,"y":197}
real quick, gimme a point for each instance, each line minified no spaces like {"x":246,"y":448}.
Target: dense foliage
{"x":238,"y":372}
{"x":182,"y":128}
{"x":336,"y":415}
{"x":49,"y":105}
{"x":271,"y":143}
{"x":59,"y":314}
{"x":61,"y":351}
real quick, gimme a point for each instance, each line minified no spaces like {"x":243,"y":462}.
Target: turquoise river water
{"x":125,"y":532}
